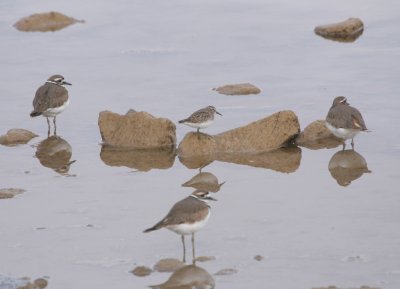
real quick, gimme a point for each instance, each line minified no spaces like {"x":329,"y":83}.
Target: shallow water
{"x":83,"y":228}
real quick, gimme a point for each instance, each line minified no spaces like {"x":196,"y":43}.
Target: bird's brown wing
{"x":49,"y":96}
{"x":357,"y":119}
{"x":337,"y":117}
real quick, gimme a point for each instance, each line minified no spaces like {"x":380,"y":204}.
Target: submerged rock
{"x":267,"y":134}
{"x":190,"y":276}
{"x":139,"y":159}
{"x":10,"y":193}
{"x":141,"y":271}
{"x":168,"y":265}
{"x":43,"y":22}
{"x":317,"y":136}
{"x":205,"y":258}
{"x":347,"y":166}
{"x":204,"y":181}
{"x":229,"y":271}
{"x":136,"y":130}
{"x":345,"y":31}
{"x":17,"y":136}
{"x":238,"y":89}
{"x":22,"y":283}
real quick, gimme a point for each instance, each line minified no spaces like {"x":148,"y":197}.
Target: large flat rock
{"x":136,"y":130}
{"x":345,"y":31}
{"x":267,"y":134}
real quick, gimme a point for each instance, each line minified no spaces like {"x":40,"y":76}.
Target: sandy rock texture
{"x":44,"y":22}
{"x":9,"y":193}
{"x":17,"y":136}
{"x":266,"y":134}
{"x":136,"y":130}
{"x":317,"y":136}
{"x":345,"y":31}
{"x":238,"y":89}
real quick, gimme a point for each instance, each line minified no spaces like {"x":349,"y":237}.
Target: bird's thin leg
{"x":48,"y":127}
{"x":352,"y":144}
{"x":193,"y":252}
{"x":344,"y":145}
{"x":184,"y":249}
{"x":55,"y":126}
{"x":198,"y":130}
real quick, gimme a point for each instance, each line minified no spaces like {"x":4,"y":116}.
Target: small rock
{"x":205,"y":258}
{"x":317,"y":136}
{"x":40,"y":283}
{"x":238,"y":89}
{"x":43,"y":22}
{"x":10,"y":193}
{"x":168,"y":265}
{"x":17,"y":136}
{"x":141,"y":271}
{"x":258,"y":258}
{"x":346,"y":31}
{"x":229,"y":271}
{"x":136,"y":130}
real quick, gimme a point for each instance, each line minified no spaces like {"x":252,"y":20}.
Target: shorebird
{"x":201,"y":118}
{"x":187,"y":217}
{"x":51,"y":99}
{"x":344,"y":121}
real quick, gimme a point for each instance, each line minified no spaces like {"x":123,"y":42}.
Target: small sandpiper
{"x":202,"y":118}
{"x":344,"y":121}
{"x":187,"y":217}
{"x":51,"y":99}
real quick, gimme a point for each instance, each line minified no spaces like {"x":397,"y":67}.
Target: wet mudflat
{"x":79,"y":224}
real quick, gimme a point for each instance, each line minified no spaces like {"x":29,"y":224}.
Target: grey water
{"x":83,"y":228}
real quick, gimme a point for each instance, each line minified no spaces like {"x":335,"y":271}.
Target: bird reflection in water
{"x":204,"y":181}
{"x":55,"y":153}
{"x":190,"y":276}
{"x":346,"y":166}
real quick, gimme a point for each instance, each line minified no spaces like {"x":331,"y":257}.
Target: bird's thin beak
{"x":218,"y":113}
{"x":66,"y":83}
{"x":211,"y":199}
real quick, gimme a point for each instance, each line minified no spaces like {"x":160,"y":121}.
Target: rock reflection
{"x":190,"y":276}
{"x":346,"y":166}
{"x":139,"y":159}
{"x":204,"y":181}
{"x":55,"y":153}
{"x":284,"y":160}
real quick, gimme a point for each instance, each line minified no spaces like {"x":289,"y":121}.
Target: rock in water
{"x":43,"y":22}
{"x":238,"y":89}
{"x":266,"y":134}
{"x":17,"y":136}
{"x":136,"y":130}
{"x":317,"y":136}
{"x":345,"y":31}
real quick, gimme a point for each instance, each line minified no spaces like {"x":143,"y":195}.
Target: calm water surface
{"x":84,"y":229}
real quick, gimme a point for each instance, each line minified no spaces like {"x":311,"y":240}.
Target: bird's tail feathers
{"x":35,"y":113}
{"x":155,"y":227}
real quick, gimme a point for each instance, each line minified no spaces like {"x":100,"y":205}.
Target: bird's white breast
{"x":52,"y":112}
{"x":199,"y":125}
{"x":344,"y":133}
{"x":187,"y":229}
